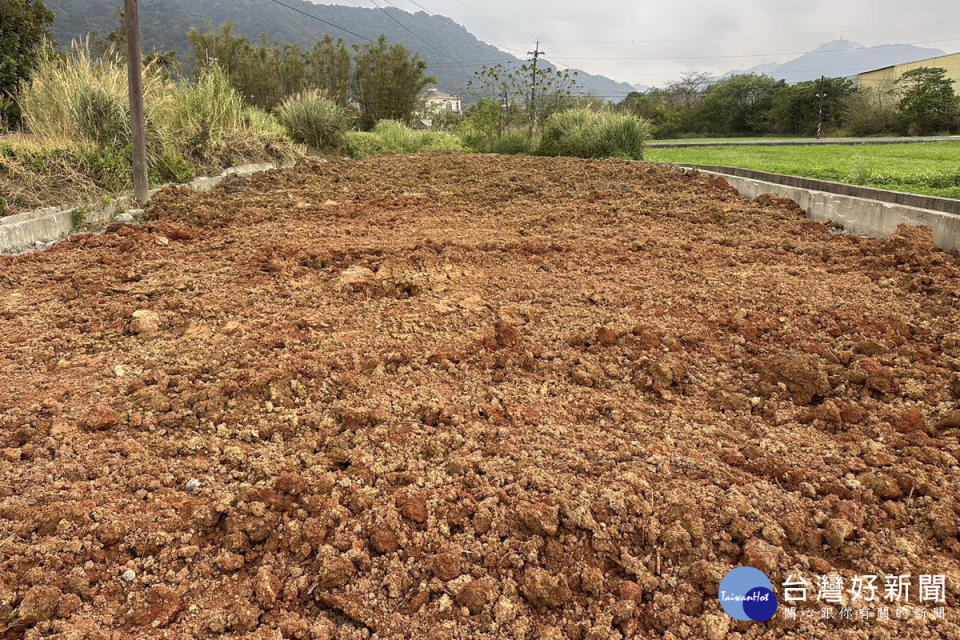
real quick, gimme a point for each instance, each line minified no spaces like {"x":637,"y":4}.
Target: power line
{"x":502,"y":46}
{"x":498,"y":26}
{"x":754,"y":37}
{"x":475,"y":43}
{"x":748,"y":55}
{"x":408,"y":30}
{"x":335,"y":26}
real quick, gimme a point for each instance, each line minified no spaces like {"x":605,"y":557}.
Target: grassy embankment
{"x":78,"y":147}
{"x":931,"y":168}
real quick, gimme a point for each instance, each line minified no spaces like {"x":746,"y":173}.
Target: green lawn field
{"x":931,"y":168}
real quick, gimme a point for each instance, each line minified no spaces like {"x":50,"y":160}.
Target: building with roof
{"x":436,"y":100}
{"x":883,"y":79}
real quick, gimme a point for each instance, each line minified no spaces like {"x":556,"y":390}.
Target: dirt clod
{"x":39,"y":604}
{"x":100,"y":418}
{"x":145,"y":323}
{"x":543,"y":589}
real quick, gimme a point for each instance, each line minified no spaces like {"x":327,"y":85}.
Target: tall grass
{"x":191,"y":127}
{"x":313,"y":119}
{"x":582,"y":133}
{"x":212,"y":127}
{"x":390,"y":136}
{"x":79,"y":97}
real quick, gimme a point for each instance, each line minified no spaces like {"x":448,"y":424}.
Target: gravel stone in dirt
{"x":454,"y":396}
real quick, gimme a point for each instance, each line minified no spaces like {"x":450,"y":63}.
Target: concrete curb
{"x":35,"y":229}
{"x":860,"y":216}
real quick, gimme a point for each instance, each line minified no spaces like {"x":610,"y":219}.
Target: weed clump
{"x":313,"y":119}
{"x":581,"y":133}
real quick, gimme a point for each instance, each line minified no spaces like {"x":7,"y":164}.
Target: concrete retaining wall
{"x":860,"y":216}
{"x":916,"y":200}
{"x":33,"y":229}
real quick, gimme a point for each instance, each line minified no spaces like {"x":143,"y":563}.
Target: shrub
{"x":480,"y":126}
{"x":867,"y":115}
{"x":390,"y":136}
{"x":83,"y":99}
{"x":312,"y":119}
{"x":438,"y":141}
{"x":361,"y":144}
{"x":514,"y":141}
{"x":582,"y":133}
{"x":397,"y":137}
{"x":102,"y":117}
{"x":80,"y":98}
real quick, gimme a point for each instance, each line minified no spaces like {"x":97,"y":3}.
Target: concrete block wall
{"x":31,"y":229}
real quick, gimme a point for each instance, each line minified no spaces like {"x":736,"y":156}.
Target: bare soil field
{"x":454,"y":396}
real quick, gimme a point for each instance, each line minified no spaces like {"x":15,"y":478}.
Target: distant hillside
{"x":452,"y":52}
{"x":842,"y":58}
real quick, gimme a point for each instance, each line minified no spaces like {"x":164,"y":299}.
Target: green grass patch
{"x":390,"y":136}
{"x":930,"y":168}
{"x":745,"y":139}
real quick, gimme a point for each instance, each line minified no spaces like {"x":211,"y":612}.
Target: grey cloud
{"x":694,"y":34}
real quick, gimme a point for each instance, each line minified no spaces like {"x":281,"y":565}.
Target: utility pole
{"x":821,"y":94}
{"x":137,"y":120}
{"x":536,"y":53}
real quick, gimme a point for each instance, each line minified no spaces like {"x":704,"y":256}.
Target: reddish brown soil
{"x":470,"y":397}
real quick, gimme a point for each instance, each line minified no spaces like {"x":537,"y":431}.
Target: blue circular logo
{"x":747,"y":594}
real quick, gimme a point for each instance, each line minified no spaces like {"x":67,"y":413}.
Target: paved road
{"x":794,"y":142}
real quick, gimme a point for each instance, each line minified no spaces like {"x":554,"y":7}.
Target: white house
{"x":437,"y":101}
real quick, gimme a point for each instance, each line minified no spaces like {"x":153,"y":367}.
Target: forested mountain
{"x":452,"y":52}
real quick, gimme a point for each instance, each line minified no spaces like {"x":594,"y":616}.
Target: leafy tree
{"x":166,"y":61}
{"x":23,"y":30}
{"x":387,"y":82}
{"x":795,"y":109}
{"x":928,"y":102}
{"x":264,"y":74}
{"x":739,"y":104}
{"x":330,"y":65}
{"x":674,"y":109}
{"x":481,"y":125}
{"x":667,"y":121}
{"x":554,"y":91}
{"x":498,"y":88}
{"x":513,"y":88}
{"x":688,"y":90}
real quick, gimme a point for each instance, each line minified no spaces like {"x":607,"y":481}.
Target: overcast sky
{"x":707,"y":35}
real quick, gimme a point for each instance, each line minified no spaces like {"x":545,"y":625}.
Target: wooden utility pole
{"x":536,"y":53}
{"x":137,"y":120}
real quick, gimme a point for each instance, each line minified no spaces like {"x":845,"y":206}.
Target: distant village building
{"x":436,"y":100}
{"x":882,"y":80}
{"x":435,"y":103}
